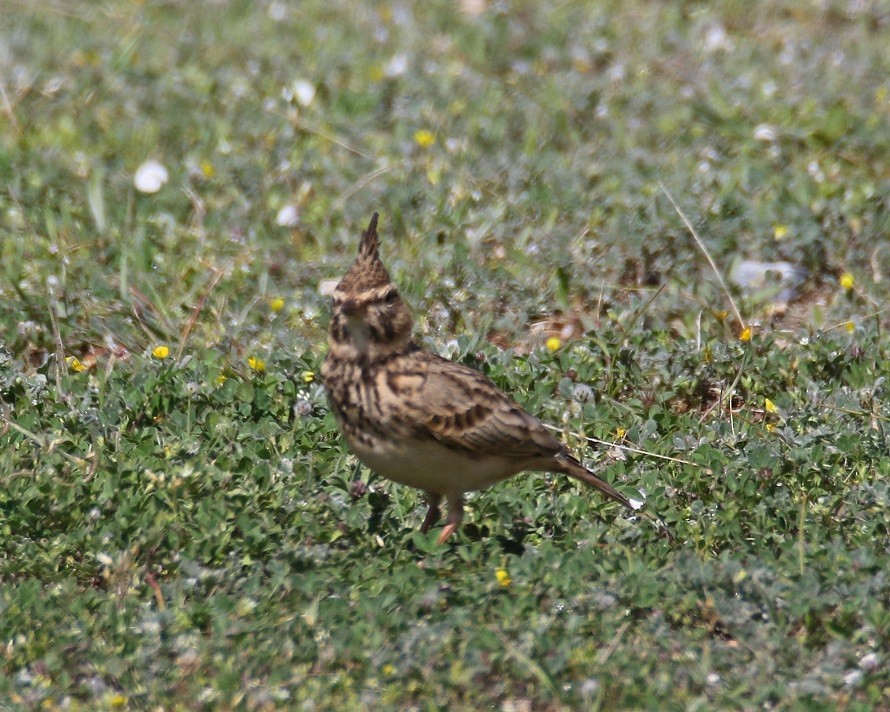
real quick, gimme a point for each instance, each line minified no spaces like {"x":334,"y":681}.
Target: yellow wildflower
{"x":503,"y":577}
{"x":308,"y":376}
{"x":388,"y":670}
{"x":207,"y":169}
{"x":256,"y":363}
{"x":376,"y":73}
{"x":770,"y":427}
{"x":746,"y":334}
{"x":424,"y":138}
{"x":220,"y":379}
{"x":75,"y":364}
{"x":620,"y":432}
{"x":780,"y":231}
{"x":849,"y":326}
{"x":276,"y":304}
{"x":160,"y":351}
{"x":581,"y":65}
{"x":847,"y":281}
{"x":553,"y":343}
{"x":770,"y":406}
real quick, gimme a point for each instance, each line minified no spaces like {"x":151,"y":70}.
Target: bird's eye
{"x":390,"y":297}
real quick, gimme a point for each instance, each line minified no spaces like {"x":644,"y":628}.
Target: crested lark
{"x":417,"y":418}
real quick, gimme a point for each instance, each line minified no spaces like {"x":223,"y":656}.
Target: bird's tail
{"x":573,"y":468}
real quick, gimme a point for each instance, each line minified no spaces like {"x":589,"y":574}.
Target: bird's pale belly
{"x":432,"y":467}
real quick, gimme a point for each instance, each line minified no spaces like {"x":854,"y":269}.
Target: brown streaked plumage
{"x":417,"y":418}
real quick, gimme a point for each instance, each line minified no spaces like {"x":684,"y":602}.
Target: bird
{"x":419,"y":419}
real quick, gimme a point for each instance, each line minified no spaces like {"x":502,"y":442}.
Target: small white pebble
{"x":765,"y":132}
{"x":869,"y":661}
{"x":150,"y":177}
{"x":288,"y":216}
{"x":853,"y":677}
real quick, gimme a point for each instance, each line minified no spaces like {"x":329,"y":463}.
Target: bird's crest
{"x":367,"y":272}
{"x":370,"y":240}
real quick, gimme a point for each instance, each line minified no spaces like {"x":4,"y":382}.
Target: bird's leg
{"x":432,"y":514}
{"x":455,"y":516}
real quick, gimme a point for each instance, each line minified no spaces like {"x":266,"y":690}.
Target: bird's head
{"x":369,"y":320}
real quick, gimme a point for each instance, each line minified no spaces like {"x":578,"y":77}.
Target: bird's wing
{"x":461,"y":408}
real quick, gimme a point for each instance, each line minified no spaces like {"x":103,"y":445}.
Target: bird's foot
{"x":432,"y":515}
{"x":447,"y":531}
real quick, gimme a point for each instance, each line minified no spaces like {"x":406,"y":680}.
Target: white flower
{"x":582,"y":393}
{"x":396,"y":66}
{"x":765,"y":132}
{"x":304,"y":91}
{"x":815,"y":172}
{"x":150,"y":177}
{"x":288,"y":216}
{"x":716,"y":39}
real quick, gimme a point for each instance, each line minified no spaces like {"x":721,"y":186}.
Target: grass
{"x":182,"y":528}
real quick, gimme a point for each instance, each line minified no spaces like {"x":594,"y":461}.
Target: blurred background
{"x":514,"y":150}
